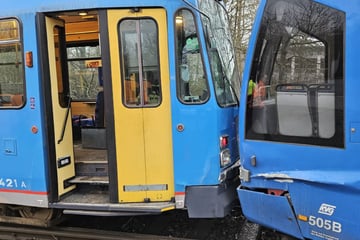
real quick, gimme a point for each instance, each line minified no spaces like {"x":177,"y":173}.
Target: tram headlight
{"x":225,"y":157}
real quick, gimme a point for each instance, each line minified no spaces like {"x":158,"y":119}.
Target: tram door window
{"x":299,"y":76}
{"x":62,"y":80}
{"x":141,"y":78}
{"x":191,"y":81}
{"x":11,"y":65}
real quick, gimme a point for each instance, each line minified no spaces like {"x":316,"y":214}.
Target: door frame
{"x":48,"y":117}
{"x":44,"y":73}
{"x":109,"y":109}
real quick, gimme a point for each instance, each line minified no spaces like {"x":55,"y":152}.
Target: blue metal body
{"x":23,"y":153}
{"x":322,"y":184}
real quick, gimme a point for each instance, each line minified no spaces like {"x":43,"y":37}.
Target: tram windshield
{"x":222,"y":55}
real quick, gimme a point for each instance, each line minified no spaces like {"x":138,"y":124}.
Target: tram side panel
{"x":204,"y":116}
{"x":23,"y":171}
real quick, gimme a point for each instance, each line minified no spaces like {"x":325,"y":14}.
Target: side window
{"x":140,"y":58}
{"x":295,"y":93}
{"x":11,"y":65}
{"x":192,"y":86}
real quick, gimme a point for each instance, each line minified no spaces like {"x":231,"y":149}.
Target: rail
{"x":68,"y":233}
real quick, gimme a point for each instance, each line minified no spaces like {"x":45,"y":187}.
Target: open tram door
{"x":57,"y":105}
{"x":140,"y":86}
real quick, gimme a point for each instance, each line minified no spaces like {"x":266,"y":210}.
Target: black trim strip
{"x":67,"y":182}
{"x":44,"y":82}
{"x":109,"y":109}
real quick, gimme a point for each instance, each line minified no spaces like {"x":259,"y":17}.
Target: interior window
{"x":295,"y":93}
{"x":140,"y":59}
{"x":11,"y":65}
{"x":84,"y":64}
{"x":192,"y":87}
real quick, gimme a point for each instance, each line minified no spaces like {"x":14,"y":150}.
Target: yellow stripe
{"x":168,"y":209}
{"x":302,"y":218}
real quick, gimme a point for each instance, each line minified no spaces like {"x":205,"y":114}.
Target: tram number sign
{"x":325,"y":224}
{"x":12,"y":183}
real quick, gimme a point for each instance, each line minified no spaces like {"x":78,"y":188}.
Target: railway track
{"x":169,"y":226}
{"x":69,"y":233}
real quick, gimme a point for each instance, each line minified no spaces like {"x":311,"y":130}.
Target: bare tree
{"x":241,"y":18}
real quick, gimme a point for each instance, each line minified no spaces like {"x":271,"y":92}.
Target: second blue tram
{"x":117,"y":108}
{"x":299,"y":141}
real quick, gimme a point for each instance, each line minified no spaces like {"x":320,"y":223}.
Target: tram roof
{"x":11,"y":8}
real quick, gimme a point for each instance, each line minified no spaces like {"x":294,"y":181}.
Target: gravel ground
{"x":177,"y":224}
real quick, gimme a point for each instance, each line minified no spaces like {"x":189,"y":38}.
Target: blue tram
{"x":117,"y":108}
{"x":299,"y":141}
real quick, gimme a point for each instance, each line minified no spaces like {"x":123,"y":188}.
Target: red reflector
{"x":276,"y":192}
{"x":34,"y":129}
{"x":29,"y":59}
{"x":224,"y":141}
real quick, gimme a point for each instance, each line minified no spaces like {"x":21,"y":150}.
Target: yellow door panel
{"x":64,"y":148}
{"x":159,"y":167}
{"x":143,"y":132}
{"x":129,"y":145}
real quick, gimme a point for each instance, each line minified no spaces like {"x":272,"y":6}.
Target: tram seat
{"x":17,"y":99}
{"x":99,"y":110}
{"x":326,"y":110}
{"x":5,"y":99}
{"x":264,"y":117}
{"x":293,"y":110}
{"x":82,"y":121}
{"x":95,"y":137}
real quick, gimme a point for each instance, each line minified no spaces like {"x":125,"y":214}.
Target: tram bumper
{"x":272,"y":211}
{"x":214,"y":201}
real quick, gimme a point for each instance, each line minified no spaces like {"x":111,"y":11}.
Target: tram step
{"x":91,"y":168}
{"x":98,"y":204}
{"x":99,"y":180}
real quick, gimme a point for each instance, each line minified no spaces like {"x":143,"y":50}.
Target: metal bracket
{"x":244,"y":174}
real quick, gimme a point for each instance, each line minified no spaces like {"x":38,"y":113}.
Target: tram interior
{"x":87,"y":106}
